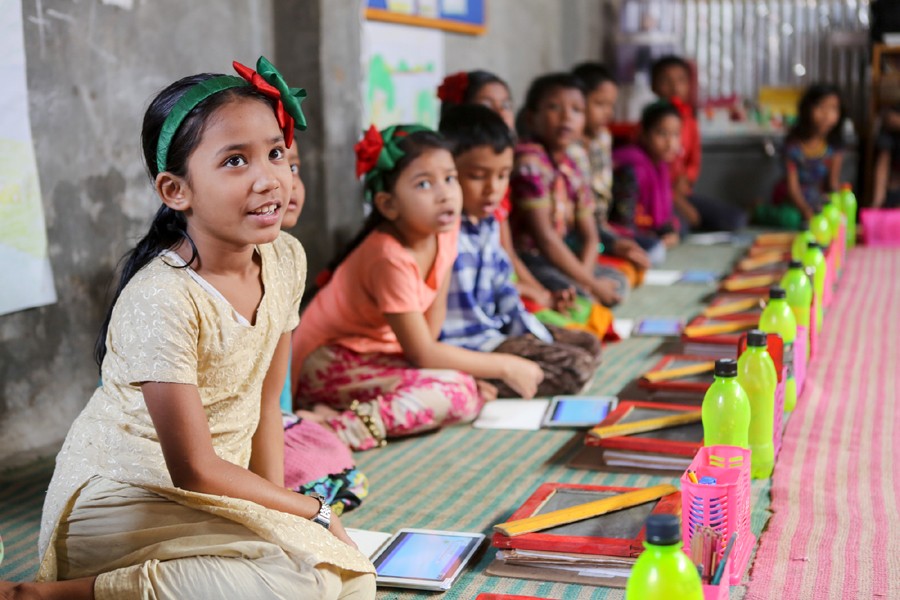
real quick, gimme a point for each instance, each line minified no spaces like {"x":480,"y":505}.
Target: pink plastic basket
{"x":721,"y":591}
{"x":724,"y":506}
{"x":881,"y":226}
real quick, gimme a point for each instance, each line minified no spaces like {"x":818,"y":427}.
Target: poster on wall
{"x":26,"y":280}
{"x":459,"y":16}
{"x":403,"y":66}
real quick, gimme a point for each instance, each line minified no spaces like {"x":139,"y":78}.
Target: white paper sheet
{"x":512,"y":414}
{"x":623,"y":327}
{"x":369,"y":542}
{"x":661,"y":277}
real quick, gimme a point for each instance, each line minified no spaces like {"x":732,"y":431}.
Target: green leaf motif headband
{"x":267,"y":81}
{"x":378,"y":153}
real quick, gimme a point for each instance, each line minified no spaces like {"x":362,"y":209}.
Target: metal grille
{"x":741,"y":45}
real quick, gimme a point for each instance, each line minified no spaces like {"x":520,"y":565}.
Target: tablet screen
{"x":580,"y":411}
{"x":660,"y":327}
{"x":426,"y":556}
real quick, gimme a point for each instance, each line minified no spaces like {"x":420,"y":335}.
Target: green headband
{"x":378,"y":153}
{"x":267,"y":81}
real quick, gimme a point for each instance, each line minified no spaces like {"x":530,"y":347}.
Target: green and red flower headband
{"x":266,"y":80}
{"x":378,"y":153}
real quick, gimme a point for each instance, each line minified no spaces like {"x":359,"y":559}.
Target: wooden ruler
{"x":584,"y":511}
{"x":746,"y":283}
{"x":763,"y":260}
{"x":694,"y":331}
{"x":733,"y":307}
{"x":620,"y":429}
{"x":667,"y":374}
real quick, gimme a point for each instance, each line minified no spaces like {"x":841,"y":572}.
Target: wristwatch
{"x":323,"y":517}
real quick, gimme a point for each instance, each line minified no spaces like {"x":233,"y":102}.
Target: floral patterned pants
{"x":381,"y":396}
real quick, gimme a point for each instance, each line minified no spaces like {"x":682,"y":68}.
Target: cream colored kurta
{"x":169,"y":326}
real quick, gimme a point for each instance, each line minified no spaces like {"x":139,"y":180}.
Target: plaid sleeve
{"x":530,"y":182}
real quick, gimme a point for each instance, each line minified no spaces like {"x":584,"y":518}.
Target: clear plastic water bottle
{"x":663,"y":571}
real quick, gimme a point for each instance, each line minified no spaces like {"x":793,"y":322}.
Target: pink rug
{"x":835,"y":528}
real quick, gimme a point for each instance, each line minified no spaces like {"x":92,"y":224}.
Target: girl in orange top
{"x":366,"y":353}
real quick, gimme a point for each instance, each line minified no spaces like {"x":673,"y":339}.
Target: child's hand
{"x":487,"y":390}
{"x":630,"y":250}
{"x":670,"y":239}
{"x":522,"y":375}
{"x":605,"y":291}
{"x":337,"y":529}
{"x":563,"y":300}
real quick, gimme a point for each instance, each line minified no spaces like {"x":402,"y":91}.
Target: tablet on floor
{"x":424,"y":559}
{"x":578,"y":411}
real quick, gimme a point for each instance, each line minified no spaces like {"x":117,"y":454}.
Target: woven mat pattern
{"x":835,"y":530}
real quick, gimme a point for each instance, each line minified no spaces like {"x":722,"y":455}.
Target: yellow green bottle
{"x":777,"y":317}
{"x":848,"y":207}
{"x":726,"y":408}
{"x":798,"y":247}
{"x":814,"y":258}
{"x":663,"y":571}
{"x":799,"y":291}
{"x":820,"y":228}
{"x":835,"y":219}
{"x":757,"y":377}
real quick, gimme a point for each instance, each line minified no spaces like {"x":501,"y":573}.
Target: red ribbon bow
{"x":453,"y":88}
{"x":285,"y":121}
{"x":367,"y":151}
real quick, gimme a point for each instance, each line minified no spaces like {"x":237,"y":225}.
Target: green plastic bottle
{"x":726,"y":408}
{"x":798,"y":247}
{"x":757,"y":376}
{"x":799,"y":290}
{"x":663,"y":571}
{"x":848,"y":207}
{"x":777,"y":317}
{"x":815,"y":259}
{"x":835,"y":217}
{"x":820,"y":228}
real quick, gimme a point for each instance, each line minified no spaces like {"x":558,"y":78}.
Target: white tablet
{"x":424,"y":559}
{"x":578,"y":411}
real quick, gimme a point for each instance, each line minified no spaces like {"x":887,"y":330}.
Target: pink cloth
{"x":312,"y":452}
{"x":379,"y":277}
{"x":654,"y":207}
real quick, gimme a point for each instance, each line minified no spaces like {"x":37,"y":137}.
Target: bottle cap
{"x":777,"y":293}
{"x":757,"y":338}
{"x":847,"y":186}
{"x":663,"y":530}
{"x":708,"y":480}
{"x":814,"y":245}
{"x":795,"y":264}
{"x":726,"y":367}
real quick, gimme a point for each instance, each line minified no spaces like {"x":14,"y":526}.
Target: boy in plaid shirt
{"x":484,"y":310}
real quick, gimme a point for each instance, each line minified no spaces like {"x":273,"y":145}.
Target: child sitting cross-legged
{"x":484,"y":310}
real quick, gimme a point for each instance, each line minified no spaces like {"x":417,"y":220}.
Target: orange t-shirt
{"x":380,"y":276}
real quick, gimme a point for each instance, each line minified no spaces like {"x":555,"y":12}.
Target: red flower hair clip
{"x":453,"y":88}
{"x":368,"y":150}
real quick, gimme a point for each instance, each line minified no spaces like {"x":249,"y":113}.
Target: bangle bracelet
{"x":368,"y":421}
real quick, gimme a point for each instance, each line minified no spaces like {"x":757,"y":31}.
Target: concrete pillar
{"x":319,"y":44}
